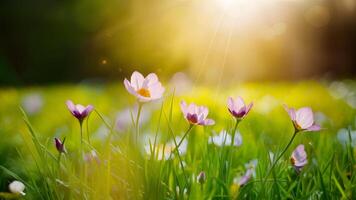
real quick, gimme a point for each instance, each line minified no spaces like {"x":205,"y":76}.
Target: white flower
{"x":17,"y":187}
{"x":165,"y":151}
{"x":32,"y":103}
{"x":223,"y":138}
{"x":343,"y":137}
{"x":252,"y":165}
{"x":124,"y":120}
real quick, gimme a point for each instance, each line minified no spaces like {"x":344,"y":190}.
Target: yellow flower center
{"x":144,"y":92}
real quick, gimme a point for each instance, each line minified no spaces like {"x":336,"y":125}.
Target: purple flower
{"x":79,"y":111}
{"x":60,"y":145}
{"x":250,"y":172}
{"x":144,"y":88}
{"x":299,"y":158}
{"x":196,"y":115}
{"x":238,"y":108}
{"x":245,"y":178}
{"x":303,"y":119}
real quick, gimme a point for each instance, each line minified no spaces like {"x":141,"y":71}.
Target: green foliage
{"x":124,"y":169}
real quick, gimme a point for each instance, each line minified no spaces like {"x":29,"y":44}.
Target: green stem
{"x":137,"y":122}
{"x":280,"y":155}
{"x":59,"y":161}
{"x":184,"y":136}
{"x":177,"y":151}
{"x":232,"y":145}
{"x":234,"y":132}
{"x":88,"y":129}
{"x":81,"y":139}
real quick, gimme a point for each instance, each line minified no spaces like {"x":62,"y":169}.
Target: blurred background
{"x":51,"y":41}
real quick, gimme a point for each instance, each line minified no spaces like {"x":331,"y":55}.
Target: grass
{"x":119,"y":167}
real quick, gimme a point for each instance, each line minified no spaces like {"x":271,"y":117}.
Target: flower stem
{"x":280,"y":155}
{"x":81,"y":139}
{"x":184,"y":136}
{"x":231,"y":152}
{"x":137,"y":122}
{"x":176,"y":150}
{"x":59,"y":161}
{"x":234,"y":132}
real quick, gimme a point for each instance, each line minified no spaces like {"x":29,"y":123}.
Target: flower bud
{"x":17,"y":187}
{"x":60,"y":145}
{"x":201,"y":178}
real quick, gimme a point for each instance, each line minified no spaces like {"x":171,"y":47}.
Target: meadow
{"x":167,"y":154}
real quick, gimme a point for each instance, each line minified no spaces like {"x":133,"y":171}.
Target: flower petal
{"x":207,"y":122}
{"x":314,"y":128}
{"x":184,"y":108}
{"x":248,"y":108}
{"x":71,"y":107}
{"x":129,"y":87}
{"x":304,"y":117}
{"x":137,"y":80}
{"x":88,"y":110}
{"x":291,"y":112}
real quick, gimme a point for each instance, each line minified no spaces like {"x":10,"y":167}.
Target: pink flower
{"x":238,"y":108}
{"x":245,"y":178}
{"x":79,"y":111}
{"x":196,"y":115}
{"x":303,"y":119}
{"x":144,"y":88}
{"x":299,"y":158}
{"x":60,"y":145}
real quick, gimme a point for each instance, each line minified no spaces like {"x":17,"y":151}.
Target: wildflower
{"x":303,"y":119}
{"x":144,"y":88}
{"x":343,"y":137}
{"x":165,"y":151}
{"x":60,"y":145}
{"x":201,"y":178}
{"x":252,"y":165}
{"x":238,"y":108}
{"x":196,"y":115}
{"x":17,"y":187}
{"x":124,"y":120}
{"x":299,"y":158}
{"x":79,"y":111}
{"x":32,"y":103}
{"x":224,"y":138}
{"x":250,"y":172}
{"x":240,"y":181}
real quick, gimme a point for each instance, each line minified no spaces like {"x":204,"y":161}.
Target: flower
{"x":79,"y":111}
{"x":165,"y":151}
{"x":238,"y":108}
{"x":196,"y":115}
{"x":32,"y":103}
{"x":245,"y":178}
{"x":124,"y":120}
{"x":17,"y":187}
{"x":344,"y":139}
{"x":250,"y":172}
{"x":60,"y":145}
{"x":303,"y":119}
{"x":224,"y":138}
{"x":144,"y":88}
{"x":201,"y":178}
{"x":299,"y":158}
